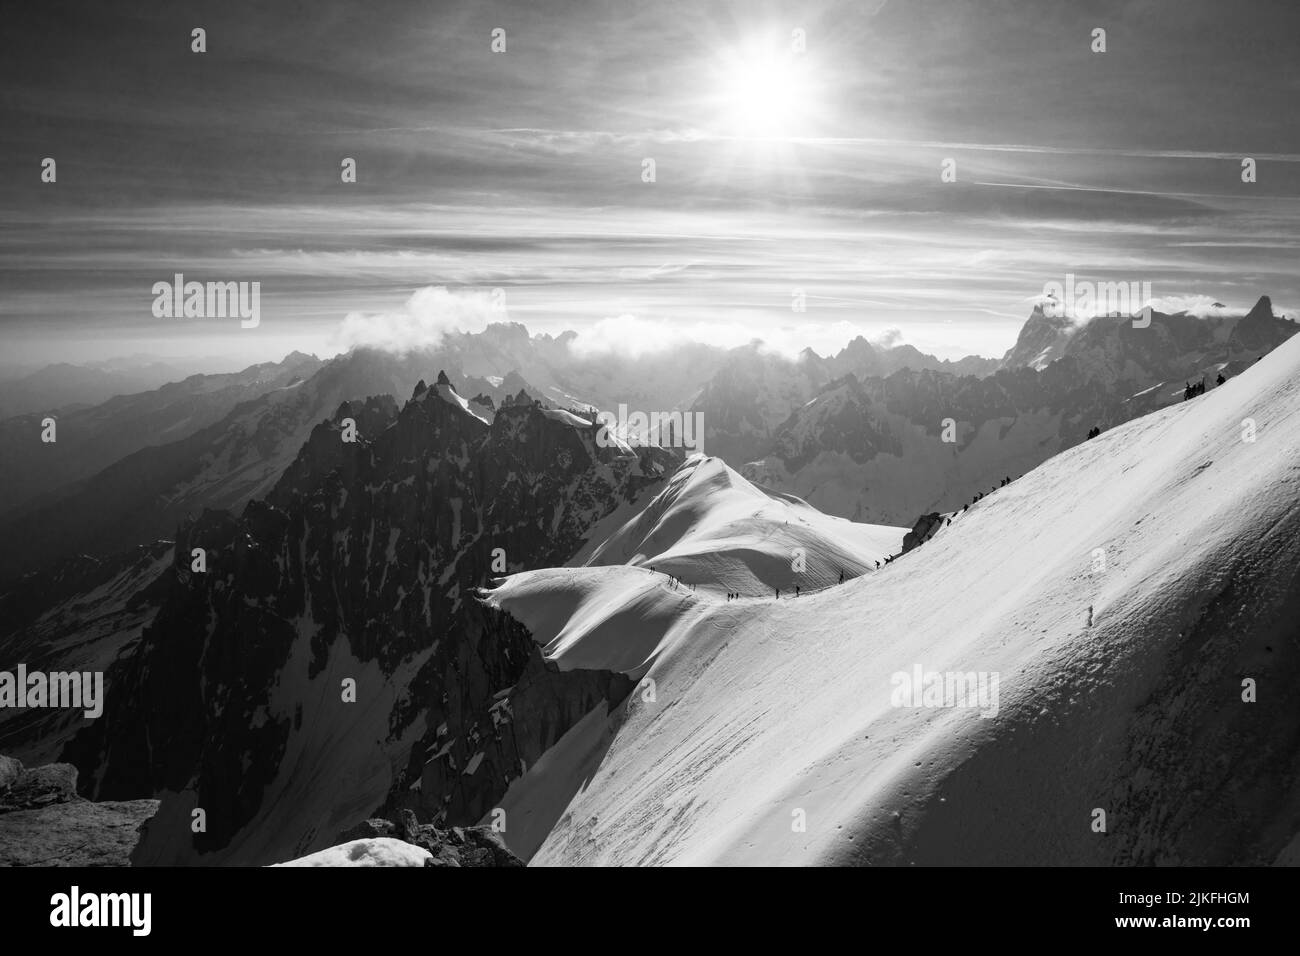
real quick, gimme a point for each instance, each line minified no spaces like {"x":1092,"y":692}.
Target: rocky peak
{"x":326,"y":451}
{"x":1040,"y":340}
{"x":363,"y":565}
{"x":1263,"y":309}
{"x":450,"y":847}
{"x":1260,"y":330}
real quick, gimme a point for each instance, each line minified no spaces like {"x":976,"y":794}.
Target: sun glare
{"x":763,"y":92}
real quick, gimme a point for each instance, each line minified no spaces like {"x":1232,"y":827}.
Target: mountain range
{"x":865,"y":447}
{"x":1113,"y":642}
{"x":315,"y":603}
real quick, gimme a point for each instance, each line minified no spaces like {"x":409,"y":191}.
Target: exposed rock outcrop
{"x":10,"y":771}
{"x":450,"y":847}
{"x":43,"y":822}
{"x":922,"y":531}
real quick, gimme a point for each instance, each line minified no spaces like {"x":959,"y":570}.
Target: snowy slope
{"x":377,"y":851}
{"x":713,"y":532}
{"x":1120,"y":689}
{"x":450,"y":396}
{"x":709,"y":526}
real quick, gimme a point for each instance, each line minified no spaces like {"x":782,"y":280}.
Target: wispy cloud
{"x":523,"y":170}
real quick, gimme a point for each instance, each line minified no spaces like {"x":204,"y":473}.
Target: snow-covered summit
{"x":443,"y":389}
{"x":711,"y":526}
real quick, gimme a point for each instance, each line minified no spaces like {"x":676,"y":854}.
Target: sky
{"x":797,"y":155}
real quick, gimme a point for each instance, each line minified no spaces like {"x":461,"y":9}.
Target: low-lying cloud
{"x":432,"y":313}
{"x":1197,"y":306}
{"x":423,"y":321}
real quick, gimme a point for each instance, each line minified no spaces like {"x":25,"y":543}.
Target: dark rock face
{"x":326,"y":451}
{"x":361,"y":567}
{"x":457,"y":846}
{"x":463,"y":767}
{"x":38,"y":592}
{"x":520,"y":398}
{"x":370,"y":829}
{"x":10,"y":771}
{"x":40,"y":786}
{"x":76,"y":616}
{"x":1260,"y":330}
{"x":922,"y":531}
{"x":43,"y":822}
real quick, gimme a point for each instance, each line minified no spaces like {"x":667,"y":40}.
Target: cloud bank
{"x":423,"y":321}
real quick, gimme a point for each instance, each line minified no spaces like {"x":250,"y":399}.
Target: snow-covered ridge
{"x":1121,"y":592}
{"x":708,"y":534}
{"x":711,"y":526}
{"x":566,"y":417}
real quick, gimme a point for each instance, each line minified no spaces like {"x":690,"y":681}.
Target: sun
{"x":763,"y":91}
